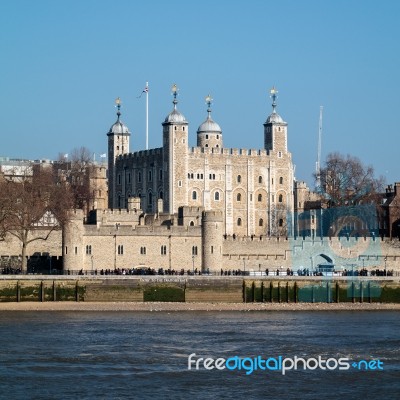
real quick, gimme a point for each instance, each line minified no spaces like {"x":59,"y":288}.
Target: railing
{"x":196,"y":272}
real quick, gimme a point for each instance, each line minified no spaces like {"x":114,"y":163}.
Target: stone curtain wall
{"x":11,"y":246}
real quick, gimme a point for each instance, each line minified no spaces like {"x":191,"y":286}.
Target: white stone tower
{"x":118,"y":144}
{"x":209,"y":133}
{"x":175,"y":158}
{"x":275,"y":130}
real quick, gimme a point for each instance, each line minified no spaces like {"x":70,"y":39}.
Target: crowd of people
{"x":222,"y":272}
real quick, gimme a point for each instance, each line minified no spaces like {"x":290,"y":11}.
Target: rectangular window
{"x":180,"y":183}
{"x":76,"y":250}
{"x":160,"y":175}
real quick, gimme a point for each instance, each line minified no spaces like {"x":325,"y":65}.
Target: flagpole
{"x":147,"y":115}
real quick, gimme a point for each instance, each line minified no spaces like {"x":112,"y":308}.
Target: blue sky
{"x":63,"y":63}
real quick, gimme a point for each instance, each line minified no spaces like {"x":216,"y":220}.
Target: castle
{"x":210,"y":208}
{"x":252,"y":188}
{"x":206,"y":207}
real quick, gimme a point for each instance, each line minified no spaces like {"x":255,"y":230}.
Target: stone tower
{"x":209,"y":133}
{"x":212,"y":236}
{"x":175,"y":158}
{"x":118,"y":144}
{"x":275,"y":130}
{"x":72,"y":247}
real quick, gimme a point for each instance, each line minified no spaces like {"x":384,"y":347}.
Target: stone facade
{"x":252,"y":188}
{"x":127,"y":239}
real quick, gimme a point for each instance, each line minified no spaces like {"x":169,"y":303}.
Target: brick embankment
{"x":177,"y":307}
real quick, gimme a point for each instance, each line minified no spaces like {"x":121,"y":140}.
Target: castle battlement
{"x":228,"y":151}
{"x":141,"y":154}
{"x":251,"y":239}
{"x":300,"y":185}
{"x":118,"y":211}
{"x":141,"y":230}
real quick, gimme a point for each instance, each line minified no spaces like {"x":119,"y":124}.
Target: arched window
{"x":216,"y":196}
{"x":281,"y":180}
{"x":160,"y":196}
{"x":191,"y":223}
{"x":239,"y":222}
{"x":280,"y":198}
{"x":260,"y":222}
{"x":239,"y":197}
{"x":260,"y":197}
{"x":260,"y":179}
{"x":281,"y":222}
{"x":194,"y":195}
{"x":239,"y":179}
{"x":150,"y":176}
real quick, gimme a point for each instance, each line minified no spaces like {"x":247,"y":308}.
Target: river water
{"x":144,"y":355}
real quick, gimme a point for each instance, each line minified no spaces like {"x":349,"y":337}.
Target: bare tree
{"x":351,"y":195}
{"x":345,"y":181}
{"x":32,"y":207}
{"x":78,"y":170}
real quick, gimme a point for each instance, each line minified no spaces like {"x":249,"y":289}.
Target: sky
{"x":63,"y":64}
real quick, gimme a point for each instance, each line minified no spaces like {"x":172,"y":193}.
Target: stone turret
{"x":72,"y":248}
{"x":209,"y":133}
{"x":275,"y":130}
{"x":118,"y":144}
{"x":175,"y":160}
{"x":212,"y":237}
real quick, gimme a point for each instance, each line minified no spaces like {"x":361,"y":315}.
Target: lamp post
{"x":193,"y":264}
{"x":91,"y":258}
{"x":385,"y":266}
{"x":244,"y":265}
